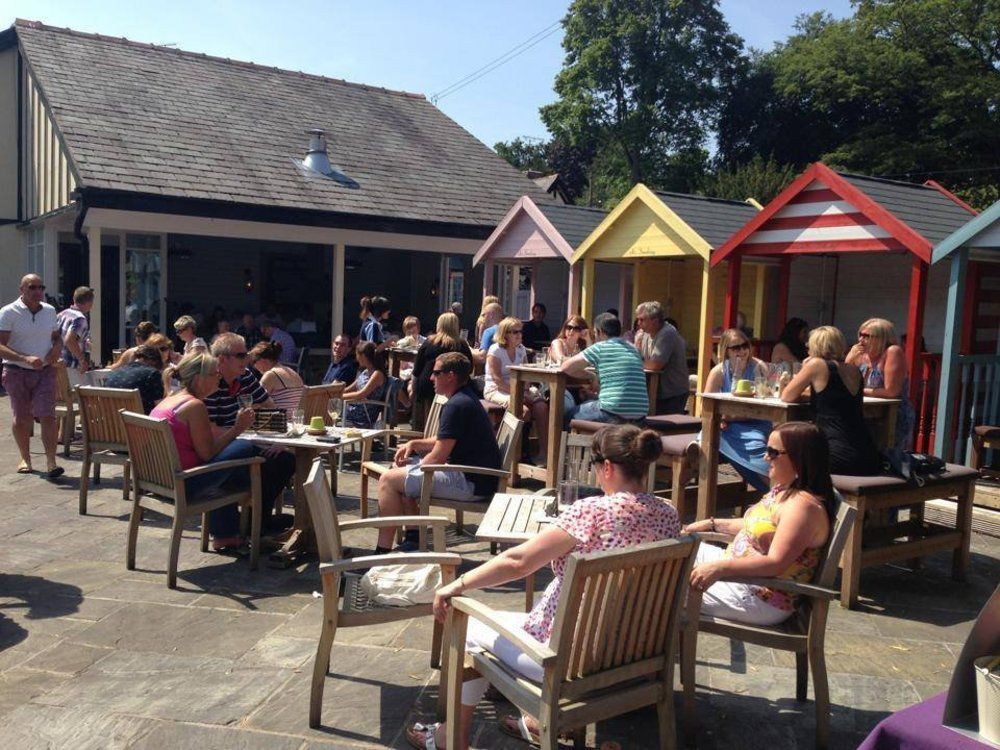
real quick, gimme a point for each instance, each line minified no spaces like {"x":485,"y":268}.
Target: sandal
{"x":421,"y":736}
{"x":54,"y":471}
{"x":24,"y":468}
{"x":516,"y":726}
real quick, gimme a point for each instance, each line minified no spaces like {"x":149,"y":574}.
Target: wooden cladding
{"x":47,"y":178}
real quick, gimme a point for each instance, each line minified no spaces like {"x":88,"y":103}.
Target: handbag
{"x":913,"y":467}
{"x":402,"y":585}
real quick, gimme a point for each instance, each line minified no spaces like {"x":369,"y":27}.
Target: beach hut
{"x":532,"y":246}
{"x":969,"y":394}
{"x":656,"y":246}
{"x":879,"y":232}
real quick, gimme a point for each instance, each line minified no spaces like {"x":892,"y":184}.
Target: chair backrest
{"x":509,"y":440}
{"x":97,"y":377}
{"x":618,"y":612}
{"x":434,"y":416}
{"x":152,"y":452}
{"x":324,"y":513}
{"x":315,"y":399}
{"x":575,"y":454}
{"x":100,"y":419}
{"x":390,"y":411}
{"x":64,"y":394}
{"x":826,"y":571}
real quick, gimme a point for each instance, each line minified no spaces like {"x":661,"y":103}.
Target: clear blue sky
{"x":422,"y":46}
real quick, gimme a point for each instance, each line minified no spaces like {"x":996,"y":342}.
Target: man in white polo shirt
{"x":30,"y":345}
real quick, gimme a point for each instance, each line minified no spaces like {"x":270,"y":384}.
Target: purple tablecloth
{"x":918,"y":728}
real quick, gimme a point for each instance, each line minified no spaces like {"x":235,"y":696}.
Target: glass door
{"x":143,"y":268}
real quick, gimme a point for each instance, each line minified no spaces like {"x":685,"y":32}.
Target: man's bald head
{"x":30,"y":278}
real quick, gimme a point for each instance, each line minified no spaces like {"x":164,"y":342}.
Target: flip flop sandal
{"x":55,"y":471}
{"x":24,"y":468}
{"x":421,"y":736}
{"x":233,"y":550}
{"x":518,"y":727}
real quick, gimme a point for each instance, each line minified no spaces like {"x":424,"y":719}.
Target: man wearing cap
{"x":75,"y":331}
{"x":30,"y":345}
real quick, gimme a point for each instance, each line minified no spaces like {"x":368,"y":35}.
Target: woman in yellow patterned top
{"x":782,"y":535}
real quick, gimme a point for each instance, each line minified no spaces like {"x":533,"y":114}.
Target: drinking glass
{"x":298,"y":421}
{"x":546,"y":355}
{"x":245,"y":400}
{"x":569,"y":491}
{"x":333,"y":408}
{"x":762,"y":387}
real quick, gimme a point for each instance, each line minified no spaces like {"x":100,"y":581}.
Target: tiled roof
{"x":574,"y":223}
{"x":714,"y":219}
{"x":924,"y":209}
{"x":147,"y":119}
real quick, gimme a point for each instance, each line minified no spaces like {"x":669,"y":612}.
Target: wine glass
{"x":333,"y":408}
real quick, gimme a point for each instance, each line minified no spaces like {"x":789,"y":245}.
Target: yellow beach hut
{"x":657,"y":246}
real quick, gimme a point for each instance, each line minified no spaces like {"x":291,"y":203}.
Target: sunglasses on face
{"x":773,"y":453}
{"x":164,"y":348}
{"x":237,"y":355}
{"x":439,"y":373}
{"x":579,"y":329}
{"x":864,"y":335}
{"x":517,"y":331}
{"x":36,"y":287}
{"x":738,"y":348}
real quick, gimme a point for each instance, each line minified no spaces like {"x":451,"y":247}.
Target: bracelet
{"x":712,"y":519}
{"x":461,"y":582}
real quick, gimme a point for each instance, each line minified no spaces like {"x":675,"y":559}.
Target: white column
{"x":943,"y":445}
{"x":94,"y":241}
{"x":50,"y":258}
{"x":337,"y":291}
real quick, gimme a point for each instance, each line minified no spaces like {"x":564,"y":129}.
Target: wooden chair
{"x":159,"y":483}
{"x":375,"y":469}
{"x":509,"y":442}
{"x":97,"y":377}
{"x":575,"y":456}
{"x":612,"y":648}
{"x":803,"y":633}
{"x":315,"y":399}
{"x":66,"y":408}
{"x":355,"y":609}
{"x":386,"y":417}
{"x":984,"y":437}
{"x":104,"y":433}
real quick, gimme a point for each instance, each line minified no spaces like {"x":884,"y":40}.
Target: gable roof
{"x":966,"y":235}
{"x":563,"y":226}
{"x":822,"y":211}
{"x":715,"y":219}
{"x":153,"y":120}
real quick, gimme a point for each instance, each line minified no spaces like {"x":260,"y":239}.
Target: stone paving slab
{"x":95,"y":656}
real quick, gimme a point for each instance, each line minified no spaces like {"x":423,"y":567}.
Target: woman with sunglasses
{"x":505,"y":352}
{"x":573,"y":338}
{"x":883,"y":364}
{"x":781,"y":536}
{"x":625,"y":515}
{"x":198,"y":443}
{"x":741,"y":442}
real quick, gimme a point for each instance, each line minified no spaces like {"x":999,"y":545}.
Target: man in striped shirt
{"x":236,"y":379}
{"x":623,"y":396}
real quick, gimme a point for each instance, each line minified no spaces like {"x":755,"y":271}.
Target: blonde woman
{"x":506,"y":351}
{"x":883,"y":364}
{"x":198,"y":443}
{"x":445,"y":339}
{"x":491,"y":317}
{"x":481,"y":323}
{"x":836,"y":397}
{"x":185,"y":327}
{"x":743,"y":441}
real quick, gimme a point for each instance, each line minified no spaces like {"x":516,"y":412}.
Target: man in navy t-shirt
{"x":465,"y":437}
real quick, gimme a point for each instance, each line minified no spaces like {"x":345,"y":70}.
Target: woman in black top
{"x":837,"y":396}
{"x":445,"y":339}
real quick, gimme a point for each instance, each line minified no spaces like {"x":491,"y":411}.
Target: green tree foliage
{"x":572,"y":163}
{"x":525,"y":154}
{"x":641,"y":87}
{"x":760,"y":179}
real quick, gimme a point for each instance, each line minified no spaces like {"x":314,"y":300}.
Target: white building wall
{"x":12,"y":261}
{"x":552,"y":290}
{"x":810,"y":290}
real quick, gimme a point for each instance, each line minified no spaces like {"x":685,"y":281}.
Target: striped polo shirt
{"x":621,"y":376}
{"x":223,"y":406}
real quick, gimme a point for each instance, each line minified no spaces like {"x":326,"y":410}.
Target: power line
{"x":505,"y":58}
{"x":913,"y":172}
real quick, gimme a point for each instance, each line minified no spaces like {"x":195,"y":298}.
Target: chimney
{"x":318,"y":160}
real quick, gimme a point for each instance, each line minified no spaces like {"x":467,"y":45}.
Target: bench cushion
{"x":992,"y":432}
{"x":677,"y":445}
{"x":674,"y":423}
{"x":884,"y":482}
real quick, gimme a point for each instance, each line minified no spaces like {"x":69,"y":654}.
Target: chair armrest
{"x":716,"y":537}
{"x":789,"y":587}
{"x":537,"y":652}
{"x":209,"y":468}
{"x":400,"y":433}
{"x":428,"y":468}
{"x":383,"y":521}
{"x":446,"y":559}
{"x":545,"y":492}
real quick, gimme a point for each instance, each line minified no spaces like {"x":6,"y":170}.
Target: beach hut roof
{"x":715,"y":219}
{"x":563,"y":226}
{"x":973,"y":234}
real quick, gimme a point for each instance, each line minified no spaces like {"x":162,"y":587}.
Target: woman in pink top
{"x":200,"y":442}
{"x":624,"y":516}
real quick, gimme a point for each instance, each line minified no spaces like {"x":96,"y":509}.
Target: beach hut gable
{"x":646,"y":227}
{"x":531,"y":231}
{"x":982,"y":231}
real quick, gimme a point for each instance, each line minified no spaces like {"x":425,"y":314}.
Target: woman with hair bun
{"x":625,"y":515}
{"x":282,"y":382}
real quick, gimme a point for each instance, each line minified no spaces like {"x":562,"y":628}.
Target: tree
{"x":525,"y":154}
{"x":759,"y":179}
{"x":572,"y":163}
{"x":641,"y":87}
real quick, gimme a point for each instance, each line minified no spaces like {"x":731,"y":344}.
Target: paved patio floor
{"x":95,"y":656}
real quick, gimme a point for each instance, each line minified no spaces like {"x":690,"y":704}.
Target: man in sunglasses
{"x":237,"y":378}
{"x":30,"y":345}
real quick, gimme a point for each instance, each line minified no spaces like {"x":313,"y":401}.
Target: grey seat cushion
{"x":886,"y":483}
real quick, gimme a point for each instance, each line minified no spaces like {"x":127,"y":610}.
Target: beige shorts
{"x":497,"y":397}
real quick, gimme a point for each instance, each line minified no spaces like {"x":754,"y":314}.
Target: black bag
{"x":913,"y":467}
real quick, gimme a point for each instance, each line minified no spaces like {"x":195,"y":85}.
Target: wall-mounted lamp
{"x":248,"y":282}
{"x":434,"y":288}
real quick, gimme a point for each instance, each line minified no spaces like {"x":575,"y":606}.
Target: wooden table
{"x":301,"y":539}
{"x":397,"y":355}
{"x":718,"y":406}
{"x":512,"y":519}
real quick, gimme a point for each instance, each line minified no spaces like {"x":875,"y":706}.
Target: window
{"x":35,"y":256}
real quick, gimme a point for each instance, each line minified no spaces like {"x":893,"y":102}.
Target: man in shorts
{"x":465,"y":437}
{"x":75,"y":330}
{"x":30,"y":345}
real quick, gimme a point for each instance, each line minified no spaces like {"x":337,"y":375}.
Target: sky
{"x":422,"y":46}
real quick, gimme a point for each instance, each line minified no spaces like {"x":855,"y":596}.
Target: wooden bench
{"x":907,"y":540}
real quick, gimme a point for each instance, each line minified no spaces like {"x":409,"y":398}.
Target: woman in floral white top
{"x":624,"y":516}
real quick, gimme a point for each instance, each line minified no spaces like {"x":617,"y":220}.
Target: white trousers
{"x":481,"y":638}
{"x":735,"y":601}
